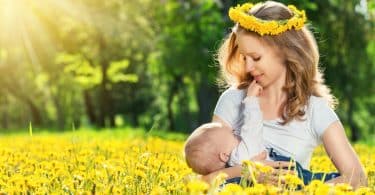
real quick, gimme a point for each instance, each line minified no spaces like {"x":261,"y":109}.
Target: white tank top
{"x":297,"y":139}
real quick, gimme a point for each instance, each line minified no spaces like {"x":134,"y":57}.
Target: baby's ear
{"x":224,"y":157}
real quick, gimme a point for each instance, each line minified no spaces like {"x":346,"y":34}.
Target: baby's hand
{"x":254,"y":89}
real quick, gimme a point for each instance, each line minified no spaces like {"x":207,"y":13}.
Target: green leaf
{"x":30,"y":129}
{"x":116,"y":73}
{"x":84,"y":73}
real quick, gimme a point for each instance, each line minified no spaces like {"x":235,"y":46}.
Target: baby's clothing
{"x":251,"y":133}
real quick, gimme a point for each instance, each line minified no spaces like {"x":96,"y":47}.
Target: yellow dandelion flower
{"x":219,"y":179}
{"x":343,"y":187}
{"x":197,"y":186}
{"x":256,"y":189}
{"x":157,"y":190}
{"x":140,"y":174}
{"x":240,"y":15}
{"x":292,"y":181}
{"x":231,"y":189}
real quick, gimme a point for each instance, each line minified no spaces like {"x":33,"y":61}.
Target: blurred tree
{"x":346,"y":30}
{"x":152,"y":62}
{"x":98,"y":57}
{"x":187,"y":33}
{"x":19,"y":86}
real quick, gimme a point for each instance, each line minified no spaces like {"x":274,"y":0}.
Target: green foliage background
{"x":150,"y":64}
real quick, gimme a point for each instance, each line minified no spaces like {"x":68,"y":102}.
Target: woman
{"x":271,"y":44}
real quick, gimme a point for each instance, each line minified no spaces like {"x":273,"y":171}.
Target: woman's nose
{"x":250,"y":65}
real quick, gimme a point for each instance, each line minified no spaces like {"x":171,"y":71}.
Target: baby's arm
{"x":251,"y":131}
{"x":252,"y":128}
{"x":252,"y":114}
{"x":253,"y":120}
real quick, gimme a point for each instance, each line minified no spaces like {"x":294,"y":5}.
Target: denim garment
{"x":306,"y":175}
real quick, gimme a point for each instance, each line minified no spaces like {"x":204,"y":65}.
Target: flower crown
{"x":266,"y":27}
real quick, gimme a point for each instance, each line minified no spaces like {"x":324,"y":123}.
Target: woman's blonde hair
{"x":301,"y":55}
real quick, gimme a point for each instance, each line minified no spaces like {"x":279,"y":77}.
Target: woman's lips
{"x":258,"y":77}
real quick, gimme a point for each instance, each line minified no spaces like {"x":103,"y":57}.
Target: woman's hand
{"x":209,"y":177}
{"x":275,"y":177}
{"x":231,"y":172}
{"x":272,"y":178}
{"x":254,"y":89}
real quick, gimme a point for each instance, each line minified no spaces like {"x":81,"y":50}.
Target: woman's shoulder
{"x":229,"y":105}
{"x":316,"y":101}
{"x":234,"y":90}
{"x":233,"y":93}
{"x":321,"y":114}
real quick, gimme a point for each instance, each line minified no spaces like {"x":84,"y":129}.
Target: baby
{"x":213,"y":146}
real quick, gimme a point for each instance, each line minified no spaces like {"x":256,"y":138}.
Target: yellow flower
{"x":52,"y":165}
{"x":240,"y":15}
{"x":197,"y":186}
{"x":364,"y":191}
{"x":231,"y":189}
{"x":343,"y":187}
{"x":263,"y":168}
{"x":158,"y":191}
{"x":219,"y":179}
{"x":256,"y":189}
{"x":292,"y":181}
{"x":140,"y":174}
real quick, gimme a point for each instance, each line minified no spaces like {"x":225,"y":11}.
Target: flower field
{"x":111,"y":162}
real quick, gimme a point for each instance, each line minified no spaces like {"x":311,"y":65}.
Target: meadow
{"x":128,"y":161}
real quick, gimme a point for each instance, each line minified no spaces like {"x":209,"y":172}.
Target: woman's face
{"x":262,"y":62}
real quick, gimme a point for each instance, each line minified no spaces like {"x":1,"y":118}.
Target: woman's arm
{"x":231,"y":173}
{"x":343,"y":156}
{"x":235,"y":171}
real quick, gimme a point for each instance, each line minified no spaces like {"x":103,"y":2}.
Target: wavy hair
{"x":301,"y":59}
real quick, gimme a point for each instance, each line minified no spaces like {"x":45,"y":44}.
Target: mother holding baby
{"x":281,"y":62}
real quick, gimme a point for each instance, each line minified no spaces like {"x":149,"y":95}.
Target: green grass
{"x":125,"y":132}
{"x":370,"y":140}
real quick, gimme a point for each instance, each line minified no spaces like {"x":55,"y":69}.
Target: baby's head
{"x":208,"y":148}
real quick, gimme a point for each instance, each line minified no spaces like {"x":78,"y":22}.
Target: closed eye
{"x":243,"y":57}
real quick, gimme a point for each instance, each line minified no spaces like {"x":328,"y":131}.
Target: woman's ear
{"x":224,"y":157}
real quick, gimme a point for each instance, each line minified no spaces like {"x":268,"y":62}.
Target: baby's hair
{"x":200,"y":151}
